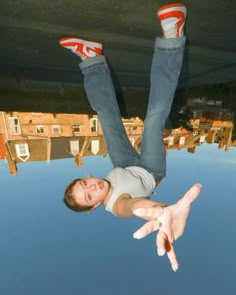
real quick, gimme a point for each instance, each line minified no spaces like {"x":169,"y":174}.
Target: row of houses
{"x":210,"y":123}
{"x":28,"y":137}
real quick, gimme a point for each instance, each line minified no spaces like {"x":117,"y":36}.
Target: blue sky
{"x":46,"y":249}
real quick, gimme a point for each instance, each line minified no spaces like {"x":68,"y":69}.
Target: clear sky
{"x":46,"y":249}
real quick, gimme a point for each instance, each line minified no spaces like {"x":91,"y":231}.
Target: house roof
{"x":37,"y":149}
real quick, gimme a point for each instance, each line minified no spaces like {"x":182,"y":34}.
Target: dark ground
{"x":37,"y":74}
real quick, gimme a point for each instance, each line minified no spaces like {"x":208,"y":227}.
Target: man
{"x":135,"y":176}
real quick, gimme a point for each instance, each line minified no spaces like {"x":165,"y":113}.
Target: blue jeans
{"x":165,"y":70}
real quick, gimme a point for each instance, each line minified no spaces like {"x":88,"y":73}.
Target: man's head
{"x":86,"y":194}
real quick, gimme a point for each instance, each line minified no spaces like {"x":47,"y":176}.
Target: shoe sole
{"x":73,"y":40}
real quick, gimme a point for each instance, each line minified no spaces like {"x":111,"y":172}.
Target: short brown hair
{"x":69,"y":200}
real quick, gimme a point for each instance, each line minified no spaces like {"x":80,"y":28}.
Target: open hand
{"x":171,"y":224}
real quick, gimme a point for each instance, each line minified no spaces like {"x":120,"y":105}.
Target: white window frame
{"x":76,"y":126}
{"x":74,"y":147}
{"x":93,"y":124}
{"x":95,"y":146}
{"x":171,"y":140}
{"x":202,"y":138}
{"x":14,"y":125}
{"x":38,"y":129}
{"x":182,"y":140}
{"x":22,"y":149}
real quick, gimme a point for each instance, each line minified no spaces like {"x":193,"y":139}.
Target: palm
{"x":175,"y":219}
{"x":171,"y":224}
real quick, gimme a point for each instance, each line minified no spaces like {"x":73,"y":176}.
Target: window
{"x":211,"y":102}
{"x":55,"y":129}
{"x":74,"y":147}
{"x":93,"y":125}
{"x":202,"y":139}
{"x":22,"y":149}
{"x":198,"y":99}
{"x":40,"y":129}
{"x":95,"y":146}
{"x":76,"y":128}
{"x":181,"y":140}
{"x":171,"y":140}
{"x":14,"y":125}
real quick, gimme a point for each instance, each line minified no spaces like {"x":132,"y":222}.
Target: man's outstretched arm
{"x":171,"y":223}
{"x":125,"y":206}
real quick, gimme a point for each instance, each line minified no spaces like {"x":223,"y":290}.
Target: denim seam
{"x":170,"y":49}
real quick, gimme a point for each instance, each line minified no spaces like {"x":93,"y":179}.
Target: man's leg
{"x":101,"y":94}
{"x":165,"y":70}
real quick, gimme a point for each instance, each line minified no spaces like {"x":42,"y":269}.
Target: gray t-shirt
{"x":135,"y":181}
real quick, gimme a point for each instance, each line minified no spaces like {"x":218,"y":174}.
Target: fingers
{"x":154,"y":225}
{"x":146,"y":229}
{"x":164,"y":246}
{"x":152,"y":212}
{"x":191,"y":194}
{"x":172,"y":258}
{"x":161,"y":243}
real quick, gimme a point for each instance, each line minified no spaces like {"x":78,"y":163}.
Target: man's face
{"x":90,"y":191}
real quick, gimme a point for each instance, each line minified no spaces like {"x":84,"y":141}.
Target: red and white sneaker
{"x":172,"y":19}
{"x":83,"y":48}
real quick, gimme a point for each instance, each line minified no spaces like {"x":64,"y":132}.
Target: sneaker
{"x":83,"y":48}
{"x":172,"y":18}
